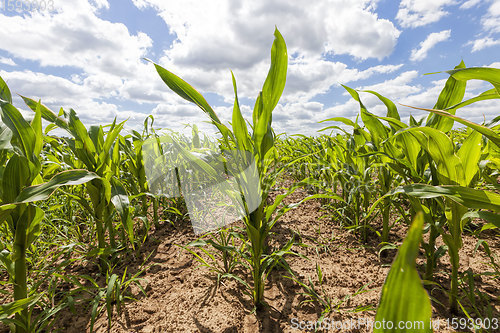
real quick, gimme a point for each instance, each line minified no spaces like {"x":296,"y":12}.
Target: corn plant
{"x":99,"y":153}
{"x":260,"y":144}
{"x":22,"y":185}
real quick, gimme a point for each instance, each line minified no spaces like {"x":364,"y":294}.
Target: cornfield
{"x":88,"y":199}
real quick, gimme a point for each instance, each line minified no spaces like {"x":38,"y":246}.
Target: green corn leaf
{"x":487,"y":132}
{"x":5,"y":211}
{"x":21,"y":129}
{"x":239,"y":126}
{"x":404,"y":299}
{"x":470,"y":154}
{"x":84,"y":146}
{"x":440,"y":147}
{"x":377,"y":130}
{"x":36,"y":125}
{"x":5,"y":137}
{"x":7,"y":310}
{"x":186,"y":91}
{"x":392,"y":110}
{"x":5,"y":96}
{"x":344,"y":120}
{"x":492,"y":75}
{"x":15,"y":177}
{"x":113,"y":285}
{"x":269,"y":96}
{"x":96,"y":134}
{"x":489,"y":94}
{"x":34,"y":226}
{"x":45,"y":190}
{"x":492,"y":218}
{"x":110,"y":139}
{"x":468,"y":197}
{"x":276,"y":77}
{"x":120,"y":199}
{"x":47,"y":114}
{"x":452,"y":93}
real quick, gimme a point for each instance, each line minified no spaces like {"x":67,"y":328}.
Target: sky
{"x":89,"y":55}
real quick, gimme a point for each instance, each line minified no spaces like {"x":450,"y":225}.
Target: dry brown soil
{"x":183,"y":297}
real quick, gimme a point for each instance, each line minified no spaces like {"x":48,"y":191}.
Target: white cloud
{"x":105,"y":57}
{"x":7,"y":61}
{"x":490,"y":23}
{"x":416,"y":13}
{"x":470,"y":3}
{"x":213,"y":37}
{"x":431,"y":40}
{"x":482,"y":43}
{"x":218,"y":33}
{"x":74,"y":37}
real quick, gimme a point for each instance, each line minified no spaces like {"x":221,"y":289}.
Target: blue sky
{"x":88,"y":55}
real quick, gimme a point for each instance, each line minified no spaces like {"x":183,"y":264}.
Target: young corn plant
{"x":22,"y":185}
{"x":260,"y":144}
{"x":451,"y":170}
{"x":99,"y":153}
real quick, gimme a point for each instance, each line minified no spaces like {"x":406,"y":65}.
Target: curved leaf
{"x":45,"y":190}
{"x":5,"y":95}
{"x":469,"y":197}
{"x":487,"y":132}
{"x":404,"y":299}
{"x":120,"y":199}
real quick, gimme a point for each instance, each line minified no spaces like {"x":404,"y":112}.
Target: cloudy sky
{"x":88,"y":55}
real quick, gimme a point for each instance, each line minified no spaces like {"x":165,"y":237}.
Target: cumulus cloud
{"x":431,"y":41}
{"x":482,"y":43}
{"x":490,"y":23}
{"x":215,"y":36}
{"x":7,"y":61}
{"x":218,"y":33}
{"x":74,"y":36}
{"x":416,"y":13}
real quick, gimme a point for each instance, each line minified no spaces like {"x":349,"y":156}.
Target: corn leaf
{"x":491,"y":218}
{"x":375,"y":126}
{"x":452,"y":93}
{"x":15,"y":177}
{"x":36,"y":125}
{"x":492,"y":75}
{"x":392,"y":110}
{"x":239,"y":126}
{"x":441,"y":149}
{"x":5,"y":137}
{"x":470,"y":154}
{"x":120,"y":199}
{"x":5,"y":95}
{"x":487,"y":132}
{"x":45,"y":190}
{"x":269,"y":96}
{"x":20,"y":128}
{"x":469,"y":197}
{"x":276,"y":78}
{"x":404,"y":299}
{"x":489,"y":94}
{"x":7,"y":310}
{"x":47,"y":114}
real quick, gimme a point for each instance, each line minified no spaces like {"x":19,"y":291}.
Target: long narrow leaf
{"x":404,"y":299}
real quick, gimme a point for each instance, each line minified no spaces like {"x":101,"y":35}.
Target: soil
{"x":181,"y":296}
